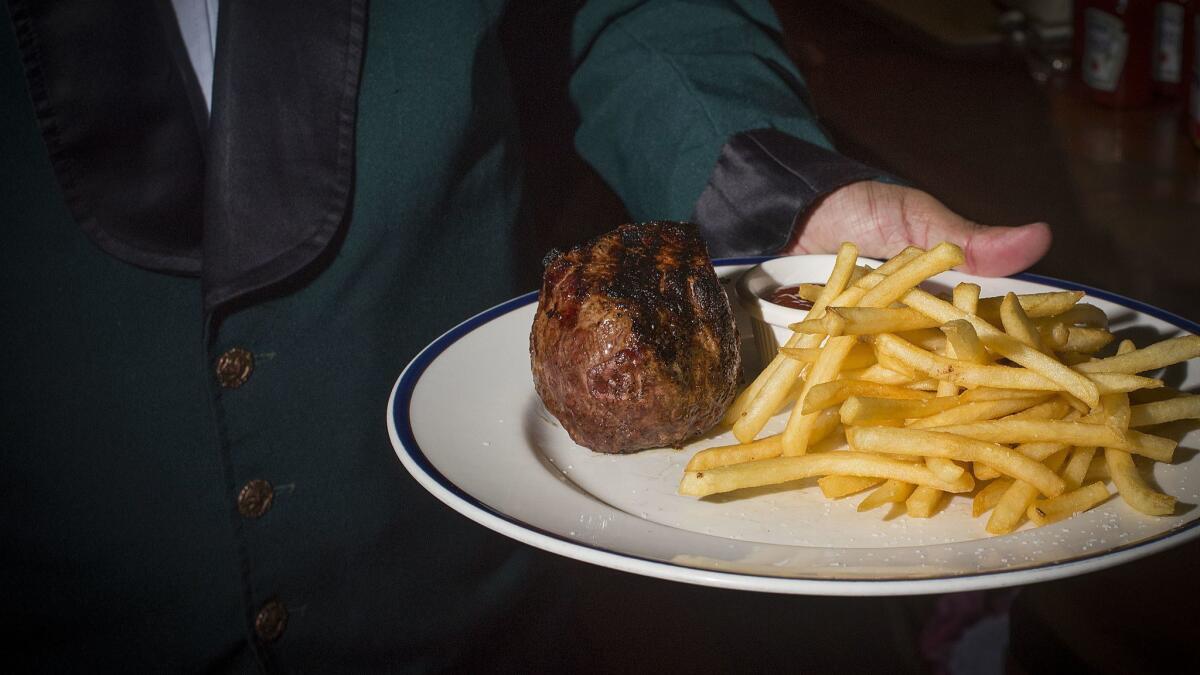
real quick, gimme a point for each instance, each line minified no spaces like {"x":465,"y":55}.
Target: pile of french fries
{"x":893,"y":388}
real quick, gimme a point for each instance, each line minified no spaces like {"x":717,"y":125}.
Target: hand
{"x":882,"y":219}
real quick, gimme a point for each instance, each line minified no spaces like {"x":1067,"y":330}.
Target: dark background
{"x":1121,"y":189}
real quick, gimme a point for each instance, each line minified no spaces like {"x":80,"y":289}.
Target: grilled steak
{"x":633,"y":345}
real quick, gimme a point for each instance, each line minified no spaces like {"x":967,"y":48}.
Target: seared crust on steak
{"x":634,"y":345}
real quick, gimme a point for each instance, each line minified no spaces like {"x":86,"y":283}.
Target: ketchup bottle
{"x":1117,"y":46}
{"x":1168,"y":65}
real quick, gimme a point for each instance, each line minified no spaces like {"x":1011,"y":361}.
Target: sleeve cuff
{"x":764,"y":183}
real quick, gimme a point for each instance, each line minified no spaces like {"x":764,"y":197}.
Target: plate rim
{"x":418,"y":464}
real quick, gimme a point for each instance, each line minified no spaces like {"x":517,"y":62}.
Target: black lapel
{"x":281,"y":139}
{"x":119,"y":123}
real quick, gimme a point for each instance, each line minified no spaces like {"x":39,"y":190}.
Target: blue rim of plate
{"x":402,"y":398}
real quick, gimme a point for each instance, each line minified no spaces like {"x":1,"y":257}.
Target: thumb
{"x":988,"y":251}
{"x":1000,"y":251}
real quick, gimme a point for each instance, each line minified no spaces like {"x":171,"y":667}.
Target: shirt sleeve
{"x":683,"y":99}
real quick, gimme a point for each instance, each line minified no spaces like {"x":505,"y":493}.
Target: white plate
{"x":466,"y":423}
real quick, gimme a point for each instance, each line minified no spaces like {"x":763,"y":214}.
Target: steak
{"x":634,"y":345}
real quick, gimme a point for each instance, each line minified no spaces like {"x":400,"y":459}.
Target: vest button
{"x":255,"y":498}
{"x":270,"y":621}
{"x":234,"y":367}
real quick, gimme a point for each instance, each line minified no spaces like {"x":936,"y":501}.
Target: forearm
{"x":694,"y":111}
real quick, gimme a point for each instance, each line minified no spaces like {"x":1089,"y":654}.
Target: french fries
{"x":891,"y":492}
{"x":916,"y":399}
{"x":836,"y":487}
{"x":784,"y":469}
{"x":1068,"y":504}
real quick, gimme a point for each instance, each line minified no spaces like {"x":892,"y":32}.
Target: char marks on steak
{"x":633,"y":345}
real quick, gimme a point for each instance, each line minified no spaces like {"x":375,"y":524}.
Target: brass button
{"x":234,"y":367}
{"x":255,"y":498}
{"x":270,"y":621}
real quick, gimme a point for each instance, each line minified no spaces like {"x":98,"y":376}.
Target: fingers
{"x":883,"y":218}
{"x":989,"y":251}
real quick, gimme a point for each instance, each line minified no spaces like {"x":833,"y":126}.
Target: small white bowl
{"x":769,"y":320}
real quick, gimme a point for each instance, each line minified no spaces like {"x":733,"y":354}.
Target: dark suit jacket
{"x":351,"y":197}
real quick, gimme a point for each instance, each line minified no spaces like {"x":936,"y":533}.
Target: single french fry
{"x":1055,"y":336}
{"x":1133,"y":489}
{"x":932,"y":339}
{"x":763,"y":448}
{"x":836,"y":487}
{"x":1124,"y":346}
{"x":887,"y":361}
{"x":1116,"y":411}
{"x":1041,"y":450}
{"x":1085,"y":340}
{"x":1011,"y":508}
{"x":1081,"y":314}
{"x":966,"y":297}
{"x":1054,"y":409}
{"x":784,"y":469}
{"x":860,"y":356}
{"x":1170,"y":410}
{"x":946,"y":469}
{"x":993,"y":394}
{"x":1153,"y":357}
{"x":1029,"y":431}
{"x":984,"y":472}
{"x":987,"y":498}
{"x":891,"y":492}
{"x":1156,"y":448}
{"x":879,"y":374}
{"x":936,"y":444}
{"x":1080,"y":406}
{"x":1017,"y":324}
{"x":867,"y":320}
{"x":809,"y":292}
{"x":1077,"y":466}
{"x":927,"y":384}
{"x":822,"y":442}
{"x":723,"y":455}
{"x":923,"y":501}
{"x":975,"y":411}
{"x":834,"y":393}
{"x":1044,"y":512}
{"x":867,"y":410}
{"x":945,"y":388}
{"x":960,"y":334}
{"x":1035,"y":305}
{"x":1098,"y":469}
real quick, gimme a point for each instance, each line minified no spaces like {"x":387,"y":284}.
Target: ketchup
{"x":1117,"y":43}
{"x":789,"y":296}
